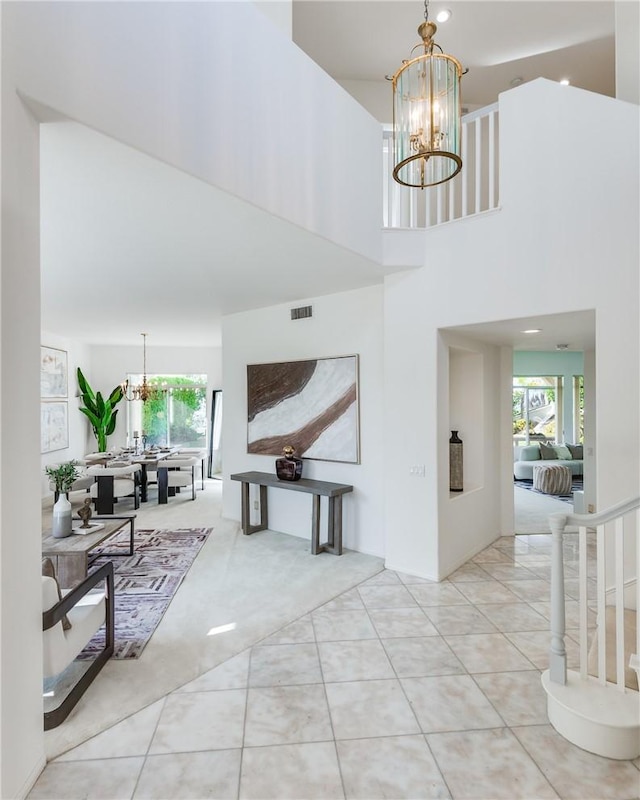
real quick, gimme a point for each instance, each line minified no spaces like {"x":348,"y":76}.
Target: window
{"x":537,"y":409}
{"x":176,"y":415}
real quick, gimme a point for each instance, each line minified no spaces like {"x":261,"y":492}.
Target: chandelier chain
{"x":426,"y":10}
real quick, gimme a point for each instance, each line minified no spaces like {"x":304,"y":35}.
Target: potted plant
{"x":101,"y":413}
{"x":63,"y":475}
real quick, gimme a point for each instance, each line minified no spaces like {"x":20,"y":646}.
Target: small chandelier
{"x":142,"y":391}
{"x":426,"y":114}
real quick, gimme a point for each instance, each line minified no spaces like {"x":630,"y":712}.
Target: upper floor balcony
{"x":474,"y":190}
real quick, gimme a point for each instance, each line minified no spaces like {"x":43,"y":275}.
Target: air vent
{"x":301,"y":313}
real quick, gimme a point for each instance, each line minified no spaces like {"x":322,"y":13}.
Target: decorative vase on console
{"x":61,"y":525}
{"x":63,"y":476}
{"x":455,"y":463}
{"x":289,"y":468}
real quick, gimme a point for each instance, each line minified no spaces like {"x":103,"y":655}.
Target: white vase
{"x":61,"y":525}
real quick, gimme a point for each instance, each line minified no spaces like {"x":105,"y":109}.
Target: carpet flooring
{"x":576,"y":485}
{"x":145,"y":583}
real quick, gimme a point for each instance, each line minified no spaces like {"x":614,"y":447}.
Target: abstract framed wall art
{"x":54,"y":426}
{"x":311,"y":405}
{"x":53,"y":372}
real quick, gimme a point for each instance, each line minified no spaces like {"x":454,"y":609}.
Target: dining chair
{"x":113,"y":483}
{"x":181,"y":472}
{"x":193,"y":452}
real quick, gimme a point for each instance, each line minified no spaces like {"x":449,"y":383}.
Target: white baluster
{"x":583,"y":600}
{"x":492,"y":159}
{"x":619,"y":582}
{"x":478,"y":201}
{"x":601,"y":592}
{"x":557,"y":651}
{"x":440,"y":203}
{"x":465,"y":172}
{"x":637,"y":653}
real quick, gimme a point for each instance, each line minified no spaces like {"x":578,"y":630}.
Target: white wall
{"x":280,"y":12}
{"x":210,"y":88}
{"x":78,"y":355}
{"x":342,"y":324}
{"x":582,"y":241}
{"x":22,"y":751}
{"x":628,"y":51}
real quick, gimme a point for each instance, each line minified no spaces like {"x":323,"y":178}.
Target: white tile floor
{"x":396,"y":689}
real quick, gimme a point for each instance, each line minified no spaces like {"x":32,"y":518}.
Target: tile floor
{"x":398,"y":688}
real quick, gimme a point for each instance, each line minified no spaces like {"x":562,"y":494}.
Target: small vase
{"x":455,"y":463}
{"x":289,"y":468}
{"x":61,"y":525}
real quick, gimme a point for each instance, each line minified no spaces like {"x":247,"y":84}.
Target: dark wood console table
{"x":333,"y":491}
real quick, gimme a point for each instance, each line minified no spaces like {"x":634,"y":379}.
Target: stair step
{"x":598,"y":718}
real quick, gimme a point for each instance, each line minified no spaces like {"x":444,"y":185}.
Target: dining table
{"x":149,"y":459}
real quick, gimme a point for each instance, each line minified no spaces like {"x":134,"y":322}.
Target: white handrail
{"x":600,"y":517}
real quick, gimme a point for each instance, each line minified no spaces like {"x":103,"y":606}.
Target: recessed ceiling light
{"x":444,"y":15}
{"x":565,"y":82}
{"x":532,"y":330}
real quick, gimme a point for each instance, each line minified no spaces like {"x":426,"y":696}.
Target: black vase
{"x":455,"y":463}
{"x":289,"y":467}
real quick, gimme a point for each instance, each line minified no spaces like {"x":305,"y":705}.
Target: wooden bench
{"x":333,"y":491}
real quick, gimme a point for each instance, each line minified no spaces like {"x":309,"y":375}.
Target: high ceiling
{"x":127,"y":244}
{"x":499,"y":42}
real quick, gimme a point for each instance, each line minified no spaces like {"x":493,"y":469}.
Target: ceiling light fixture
{"x":142,"y":391}
{"x":532,"y":330}
{"x":565,"y":82}
{"x":426,"y":114}
{"x":444,"y":15}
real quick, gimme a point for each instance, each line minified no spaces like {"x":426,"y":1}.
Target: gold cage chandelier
{"x":143,"y":391}
{"x":426,"y":114}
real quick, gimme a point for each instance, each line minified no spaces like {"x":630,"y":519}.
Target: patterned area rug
{"x":145,"y":583}
{"x":577,"y":484}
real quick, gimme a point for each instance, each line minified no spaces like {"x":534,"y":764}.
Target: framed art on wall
{"x":311,"y":405}
{"x":53,"y":372}
{"x":54,"y":426}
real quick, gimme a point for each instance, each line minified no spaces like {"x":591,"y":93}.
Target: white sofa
{"x":538,"y":454}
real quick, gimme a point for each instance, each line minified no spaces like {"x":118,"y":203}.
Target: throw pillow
{"x":49,"y":571}
{"x":576,"y":450}
{"x":563,"y":452}
{"x":547,"y":452}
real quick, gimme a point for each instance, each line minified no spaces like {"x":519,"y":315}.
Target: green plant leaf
{"x":93,"y":419}
{"x":84,"y":386}
{"x":115,"y":396}
{"x":112,"y":425}
{"x":99,"y":412}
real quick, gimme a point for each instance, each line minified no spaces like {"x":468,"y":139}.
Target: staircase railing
{"x":582,"y":705}
{"x":474,"y":190}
